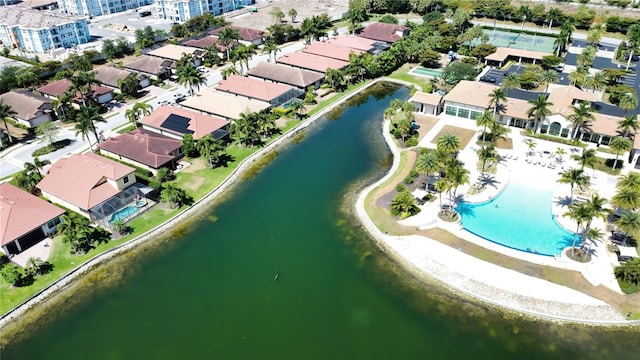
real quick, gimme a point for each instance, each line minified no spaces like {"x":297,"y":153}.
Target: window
{"x":554,"y":129}
{"x":125,"y":179}
{"x":53,"y":223}
{"x":606,"y":140}
{"x":450,"y":110}
{"x":463,"y":113}
{"x":565,"y":133}
{"x":475,"y":115}
{"x":544,"y":128}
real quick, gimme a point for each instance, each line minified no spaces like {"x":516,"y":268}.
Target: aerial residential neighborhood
{"x":122,"y":119}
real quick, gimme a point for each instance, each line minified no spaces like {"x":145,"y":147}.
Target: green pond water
{"x":210,"y":292}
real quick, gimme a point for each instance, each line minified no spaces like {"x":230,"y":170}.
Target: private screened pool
{"x":123,"y":214}
{"x":519,"y":218}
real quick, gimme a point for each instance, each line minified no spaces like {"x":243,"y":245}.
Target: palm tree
{"x":629,"y":222}
{"x":228,"y":71}
{"x":531,"y":145}
{"x":335,"y":78}
{"x":484,"y":120}
{"x":633,"y":39}
{"x":596,"y":207}
{"x":83,"y":82}
{"x":59,"y":103}
{"x":560,"y":152}
{"x":561,"y":42}
{"x":243,"y":54}
{"x":574,"y":177}
{"x":270,"y":47}
{"x":582,"y":114}
{"x":172,"y":194}
{"x":449,"y":143}
{"x":37,"y":165}
{"x":597,"y":82}
{"x":630,"y":181}
{"x":27,"y":180}
{"x":190,"y":77}
{"x":83,"y":128}
{"x":91,"y":114}
{"x":587,"y":157}
{"x":498,"y":132}
{"x":628,"y":271}
{"x":628,"y":101}
{"x":496,"y":97}
{"x":137,"y":111}
{"x":592,"y":234}
{"x":554,"y":14}
{"x":293,"y":13}
{"x":404,"y":204}
{"x":539,"y":110}
{"x":441,"y":186}
{"x":578,"y":76}
{"x":548,"y":77}
{"x":210,"y":148}
{"x":227,"y":37}
{"x":77,"y":230}
{"x":487,"y":154}
{"x":511,"y":81}
{"x":580,"y":214}
{"x":626,"y":198}
{"x":6,"y":112}
{"x":428,"y":163}
{"x":619,"y":145}
{"x":628,"y":123}
{"x":298,"y":108}
{"x":457,"y":176}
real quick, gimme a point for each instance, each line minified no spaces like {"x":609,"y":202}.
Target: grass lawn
{"x":403,"y":74}
{"x":426,"y":123}
{"x":465,"y":135}
{"x":605,"y":165}
{"x":350,"y":89}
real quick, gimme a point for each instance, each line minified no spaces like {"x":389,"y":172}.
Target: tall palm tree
{"x":597,"y":82}
{"x":531,"y":145}
{"x":633,"y":39}
{"x":457,"y":176}
{"x":37,"y":165}
{"x":580,"y":214}
{"x":448,"y":142}
{"x":496,"y":97}
{"x":210,"y":149}
{"x":228,"y":71}
{"x":190,"y":77}
{"x":578,"y":76}
{"x":244,"y":53}
{"x":6,"y":112}
{"x":335,"y":78}
{"x":487,"y":154}
{"x":83,"y":82}
{"x":628,"y":101}
{"x":628,"y":123}
{"x":573,"y":177}
{"x":630,"y":181}
{"x":511,"y":81}
{"x":404,"y":204}
{"x":298,"y":108}
{"x":548,"y":77}
{"x":91,"y":114}
{"x":586,"y":157}
{"x":626,"y":198}
{"x":629,"y":222}
{"x":227,"y":37}
{"x":591,"y":236}
{"x":83,"y":128}
{"x":539,"y":110}
{"x":581,"y":116}
{"x":484,"y":120}
{"x":596,"y":207}
{"x":619,"y":145}
{"x":428,"y":163}
{"x":270,"y":47}
{"x":137,"y":111}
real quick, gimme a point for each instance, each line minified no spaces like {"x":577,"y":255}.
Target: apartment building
{"x":99,"y":7}
{"x":183,"y":10}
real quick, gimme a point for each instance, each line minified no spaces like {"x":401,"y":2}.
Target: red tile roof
{"x":58,"y":88}
{"x":383,"y":32}
{"x":331,"y":50}
{"x":246,"y":34}
{"x":143,"y":146}
{"x":26,"y":104}
{"x":206,"y":42}
{"x":80,"y":179}
{"x":354,"y":42}
{"x":200,"y":124}
{"x":21,"y":212}
{"x":252,"y":88}
{"x":285,"y":74}
{"x":311,"y":62}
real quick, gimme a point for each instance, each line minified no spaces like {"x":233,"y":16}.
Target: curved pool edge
{"x":383,"y":242}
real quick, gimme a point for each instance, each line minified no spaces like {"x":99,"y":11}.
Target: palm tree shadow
{"x":488,"y":180}
{"x":563,"y":201}
{"x":224,"y":160}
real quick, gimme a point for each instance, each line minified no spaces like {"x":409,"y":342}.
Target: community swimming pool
{"x":123,"y":213}
{"x":423,"y":71}
{"x":519,"y":218}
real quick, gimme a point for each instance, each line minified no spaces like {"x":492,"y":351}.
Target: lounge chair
{"x":515,"y":157}
{"x":543,"y":163}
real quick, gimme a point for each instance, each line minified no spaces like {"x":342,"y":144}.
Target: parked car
{"x":489,"y":79}
{"x":559,"y":67}
{"x":635,"y":57}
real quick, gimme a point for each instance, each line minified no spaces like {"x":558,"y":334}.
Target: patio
{"x":40,"y":250}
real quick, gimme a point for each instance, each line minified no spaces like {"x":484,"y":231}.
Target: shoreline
{"x":414,"y":253}
{"x":68,"y":279}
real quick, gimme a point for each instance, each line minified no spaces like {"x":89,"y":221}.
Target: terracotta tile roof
{"x":21,"y":212}
{"x":285,"y":74}
{"x":604,"y":124}
{"x":426,"y":98}
{"x":311,"y":62}
{"x":246,"y":34}
{"x":223,"y":104}
{"x":331,"y":50}
{"x":516,"y":108}
{"x":199,"y":124}
{"x":80,"y":179}
{"x":252,"y":88}
{"x":384,"y":32}
{"x":206,"y":42}
{"x":59,"y":87}
{"x":26,"y":104}
{"x":502,"y":53}
{"x":562,"y":97}
{"x":354,"y":42}
{"x":174,"y":52}
{"x":109,"y":75}
{"x":143,"y":146}
{"x":150,"y":64}
{"x":471,"y":93}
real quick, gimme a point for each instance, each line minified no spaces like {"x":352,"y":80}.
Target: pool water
{"x":422,"y":71}
{"x":123,"y":213}
{"x":519,"y":218}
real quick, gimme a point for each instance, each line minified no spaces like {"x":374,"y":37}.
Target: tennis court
{"x":503,"y":38}
{"x":426,"y":72}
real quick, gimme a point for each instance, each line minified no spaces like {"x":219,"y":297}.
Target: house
{"x":183,"y":10}
{"x":222,"y":104}
{"x":176,"y":122}
{"x":90,"y":185}
{"x":248,"y":36}
{"x":175,"y":52}
{"x":468,"y":99}
{"x":427,"y":103}
{"x":387,"y":33}
{"x":154,"y":67}
{"x":207,"y":42}
{"x":25,"y":219}
{"x":256,"y":89}
{"x":57,"y":88}
{"x":331,"y":50}
{"x":563,"y":97}
{"x":296,"y":77}
{"x":311,"y":62}
{"x":144,"y":149}
{"x":354,"y":42}
{"x":109,"y":76}
{"x":31,"y":109}
{"x":503,"y":54}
